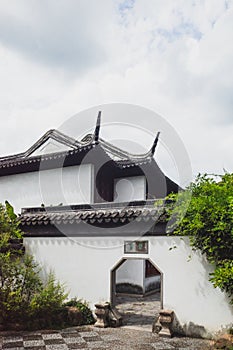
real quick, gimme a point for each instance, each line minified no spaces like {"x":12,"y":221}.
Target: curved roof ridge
{"x":71,"y":142}
{"x":63,"y":138}
{"x":124,"y":154}
{"x":53,"y":134}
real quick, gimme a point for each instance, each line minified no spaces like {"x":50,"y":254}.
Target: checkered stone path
{"x":67,"y":339}
{"x":95,"y":338}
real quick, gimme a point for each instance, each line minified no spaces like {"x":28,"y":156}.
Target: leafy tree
{"x":208,"y":222}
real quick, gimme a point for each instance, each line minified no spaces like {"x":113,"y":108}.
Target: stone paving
{"x":138,"y":311}
{"x":96,"y":338}
{"x":138,"y":315}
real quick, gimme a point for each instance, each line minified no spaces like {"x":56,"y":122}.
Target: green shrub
{"x":84,"y":308}
{"x":24,"y":297}
{"x":19,"y":280}
{"x":47,"y":302}
{"x":208,"y":222}
{"x":19,"y":274}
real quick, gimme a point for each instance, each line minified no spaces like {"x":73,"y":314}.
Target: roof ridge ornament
{"x":97,"y":128}
{"x":152,"y":151}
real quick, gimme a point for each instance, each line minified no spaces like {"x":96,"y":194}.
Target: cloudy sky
{"x":59,"y":57}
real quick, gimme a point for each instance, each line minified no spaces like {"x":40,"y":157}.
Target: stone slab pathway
{"x":95,"y":338}
{"x":138,"y":311}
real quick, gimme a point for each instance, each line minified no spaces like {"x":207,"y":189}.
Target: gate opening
{"x":136,"y":291}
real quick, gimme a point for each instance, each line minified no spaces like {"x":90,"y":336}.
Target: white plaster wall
{"x":69,"y":185}
{"x":152,"y":279}
{"x":130,"y":189}
{"x":84,"y":265}
{"x":131,"y":271}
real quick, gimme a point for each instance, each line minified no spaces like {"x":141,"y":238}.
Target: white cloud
{"x":61,"y":34}
{"x":58,"y":58}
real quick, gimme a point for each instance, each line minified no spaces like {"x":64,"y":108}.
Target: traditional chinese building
{"x":93,"y":214}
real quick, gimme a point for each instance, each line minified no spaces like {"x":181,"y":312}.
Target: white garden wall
{"x":84,"y":265}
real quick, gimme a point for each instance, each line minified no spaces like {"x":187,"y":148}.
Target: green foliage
{"x":9,"y":224}
{"x":24,"y":297}
{"x":84,"y":308}
{"x":208,"y":222}
{"x":19,"y":280}
{"x":10,"y":211}
{"x":23,"y":294}
{"x":48,"y":299}
{"x":222,"y":277}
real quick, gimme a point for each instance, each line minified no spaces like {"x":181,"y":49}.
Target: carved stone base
{"x":102,"y":313}
{"x":156,"y":326}
{"x":166,"y":319}
{"x":107,"y":316}
{"x":115,"y":319}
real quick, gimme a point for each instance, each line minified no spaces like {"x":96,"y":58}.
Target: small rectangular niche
{"x":129,"y":189}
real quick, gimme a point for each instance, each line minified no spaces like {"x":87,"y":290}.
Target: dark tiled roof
{"x":101,"y":214}
{"x":16,"y":161}
{"x":127,"y":163}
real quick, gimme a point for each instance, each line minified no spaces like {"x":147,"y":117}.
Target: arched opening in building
{"x":137,"y":291}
